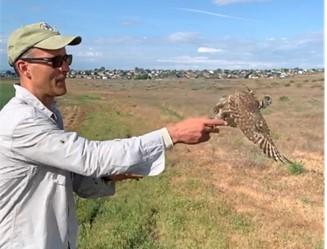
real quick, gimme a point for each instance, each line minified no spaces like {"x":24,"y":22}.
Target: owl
{"x":242,"y":110}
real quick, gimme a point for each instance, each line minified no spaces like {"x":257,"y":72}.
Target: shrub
{"x":295,"y":168}
{"x":284,"y":98}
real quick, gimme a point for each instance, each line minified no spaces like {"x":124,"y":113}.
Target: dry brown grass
{"x":287,"y":209}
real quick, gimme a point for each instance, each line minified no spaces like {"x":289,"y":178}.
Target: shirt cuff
{"x":166,"y":137}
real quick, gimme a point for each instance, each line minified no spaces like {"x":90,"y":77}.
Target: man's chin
{"x":60,"y":87}
{"x":59,"y":91}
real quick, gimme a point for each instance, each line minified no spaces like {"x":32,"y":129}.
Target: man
{"x":41,"y":165}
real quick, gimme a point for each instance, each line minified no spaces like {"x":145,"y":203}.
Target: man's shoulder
{"x":16,"y":106}
{"x":14,"y":112}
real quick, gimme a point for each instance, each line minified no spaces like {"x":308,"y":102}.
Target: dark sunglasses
{"x":55,"y":62}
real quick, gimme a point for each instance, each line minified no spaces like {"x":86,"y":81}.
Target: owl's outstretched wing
{"x":244,"y":109}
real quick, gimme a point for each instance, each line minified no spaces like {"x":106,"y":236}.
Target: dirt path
{"x":72,"y":116}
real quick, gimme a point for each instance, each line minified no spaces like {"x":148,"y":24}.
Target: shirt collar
{"x":26,"y":96}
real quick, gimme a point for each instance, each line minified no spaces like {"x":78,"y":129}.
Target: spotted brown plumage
{"x":242,"y":110}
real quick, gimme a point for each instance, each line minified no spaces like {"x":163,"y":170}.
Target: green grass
{"x":88,"y":97}
{"x":151,"y":214}
{"x":83,"y":99}
{"x":103,"y":126}
{"x":103,"y":120}
{"x":7,"y":91}
{"x":169,"y":112}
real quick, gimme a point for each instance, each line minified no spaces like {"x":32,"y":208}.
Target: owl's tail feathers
{"x":282,"y":158}
{"x":278,"y":157}
{"x":285,"y":160}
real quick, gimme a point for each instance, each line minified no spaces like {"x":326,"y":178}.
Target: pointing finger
{"x":215,"y":122}
{"x":211,"y":129}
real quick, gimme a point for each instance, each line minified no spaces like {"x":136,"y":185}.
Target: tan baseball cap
{"x":37,"y":35}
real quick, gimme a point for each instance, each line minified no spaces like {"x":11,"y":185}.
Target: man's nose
{"x":64,"y":67}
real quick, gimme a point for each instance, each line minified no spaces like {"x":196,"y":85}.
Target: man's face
{"x":48,"y":82}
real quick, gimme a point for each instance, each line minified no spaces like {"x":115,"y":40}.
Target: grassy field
{"x":220,"y":194}
{"x":6,"y":91}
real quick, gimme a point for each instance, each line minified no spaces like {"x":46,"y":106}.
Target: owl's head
{"x":266,"y":101}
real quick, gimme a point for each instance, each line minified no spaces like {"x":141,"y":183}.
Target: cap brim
{"x":58,"y":41}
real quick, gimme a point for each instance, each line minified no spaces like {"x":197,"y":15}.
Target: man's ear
{"x":22,"y":67}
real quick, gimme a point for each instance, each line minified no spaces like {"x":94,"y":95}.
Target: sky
{"x":176,"y":34}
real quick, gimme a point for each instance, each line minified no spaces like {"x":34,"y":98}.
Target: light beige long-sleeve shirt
{"x":41,"y":165}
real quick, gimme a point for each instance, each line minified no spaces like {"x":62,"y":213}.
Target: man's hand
{"x":121,"y":177}
{"x":194,"y":130}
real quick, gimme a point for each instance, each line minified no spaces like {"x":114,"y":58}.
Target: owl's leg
{"x":228,"y":116}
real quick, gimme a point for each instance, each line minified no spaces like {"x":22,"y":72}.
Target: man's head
{"x":38,"y":54}
{"x":37,"y":35}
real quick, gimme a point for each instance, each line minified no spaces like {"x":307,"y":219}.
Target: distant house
{"x":140,"y":73}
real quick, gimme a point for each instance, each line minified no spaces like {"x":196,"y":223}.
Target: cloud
{"x":189,"y":62}
{"x":3,"y":45}
{"x":190,"y":50}
{"x":227,"y":2}
{"x":214,"y":14}
{"x":184,"y":62}
{"x":119,"y":40}
{"x":3,"y":39}
{"x":186,"y":59}
{"x":86,"y":54}
{"x":304,"y":51}
{"x":183,"y":37}
{"x":89,"y":54}
{"x":131,"y":22}
{"x":209,"y":50}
